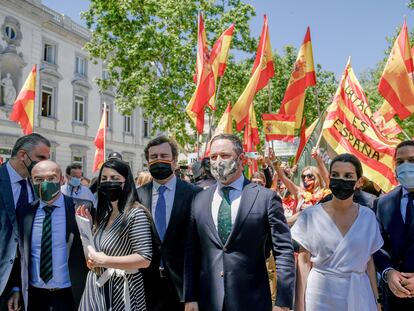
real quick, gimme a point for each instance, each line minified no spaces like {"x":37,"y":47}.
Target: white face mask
{"x":224,"y":170}
{"x":405,"y":175}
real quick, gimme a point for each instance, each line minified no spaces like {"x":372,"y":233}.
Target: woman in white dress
{"x":340,"y":237}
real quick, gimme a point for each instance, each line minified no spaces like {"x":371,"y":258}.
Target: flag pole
{"x":198,"y":146}
{"x":405,"y":134}
{"x":269,"y":93}
{"x":316,"y":92}
{"x":105,"y":127}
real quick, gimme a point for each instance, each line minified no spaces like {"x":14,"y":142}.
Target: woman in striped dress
{"x":122,"y":237}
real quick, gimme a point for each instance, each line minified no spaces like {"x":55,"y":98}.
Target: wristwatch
{"x":386,"y":275}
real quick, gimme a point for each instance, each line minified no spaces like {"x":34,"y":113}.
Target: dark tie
{"x":23,"y":200}
{"x":160,"y":213}
{"x":409,"y":214}
{"x":46,"y":266}
{"x":224,"y":215}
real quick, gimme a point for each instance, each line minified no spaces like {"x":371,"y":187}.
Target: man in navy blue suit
{"x":395,"y":213}
{"x":16,"y":192}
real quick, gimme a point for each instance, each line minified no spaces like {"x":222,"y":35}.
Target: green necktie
{"x":224,"y":215}
{"x":46,"y":266}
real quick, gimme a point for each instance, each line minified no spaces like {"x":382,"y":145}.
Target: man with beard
{"x":233,"y":226}
{"x":169,"y":200}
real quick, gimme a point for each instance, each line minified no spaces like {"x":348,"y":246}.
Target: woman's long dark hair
{"x":129,"y":194}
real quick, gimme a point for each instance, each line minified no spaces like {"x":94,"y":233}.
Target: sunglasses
{"x":308,"y":176}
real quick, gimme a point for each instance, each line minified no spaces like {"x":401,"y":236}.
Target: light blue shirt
{"x":14,"y":181}
{"x":80,"y":192}
{"x":404,"y":202}
{"x":169,"y":195}
{"x":60,"y":277}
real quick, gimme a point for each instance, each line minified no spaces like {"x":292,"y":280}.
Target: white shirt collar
{"x":14,"y":176}
{"x":170,"y":184}
{"x":236,"y":185}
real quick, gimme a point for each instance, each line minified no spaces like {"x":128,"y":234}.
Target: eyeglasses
{"x":308,"y":176}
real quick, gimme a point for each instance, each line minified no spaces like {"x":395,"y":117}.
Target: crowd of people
{"x":210,"y":241}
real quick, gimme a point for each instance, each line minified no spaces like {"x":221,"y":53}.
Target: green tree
{"x":150,"y":47}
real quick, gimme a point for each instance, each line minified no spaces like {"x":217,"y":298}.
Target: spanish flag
{"x":348,"y":127}
{"x":388,"y":128}
{"x":205,"y":80}
{"x":225,"y":124}
{"x":263,"y":70}
{"x":396,"y":84}
{"x":386,"y":111}
{"x":250,"y":140}
{"x":279,"y":127}
{"x":23,"y":108}
{"x":303,"y":76}
{"x":218,"y":56}
{"x":100,"y":142}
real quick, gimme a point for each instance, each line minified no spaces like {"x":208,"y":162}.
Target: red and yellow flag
{"x":100,"y":143}
{"x":348,"y":127}
{"x":279,"y":127}
{"x":225,"y":124}
{"x":218,"y":56}
{"x":23,"y":108}
{"x":250,"y":140}
{"x":205,"y":80}
{"x":396,"y":84}
{"x":303,"y":76}
{"x":388,"y":128}
{"x":302,"y":140}
{"x":263,"y":70}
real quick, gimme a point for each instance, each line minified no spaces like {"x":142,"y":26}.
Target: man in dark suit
{"x":16,"y":192}
{"x":395,"y":213}
{"x":53,"y":265}
{"x":169,"y":199}
{"x":233,"y":227}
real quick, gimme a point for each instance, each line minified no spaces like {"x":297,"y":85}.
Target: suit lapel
{"x":176,"y":208}
{"x":7,"y":195}
{"x":247,"y":200}
{"x":28,"y":218}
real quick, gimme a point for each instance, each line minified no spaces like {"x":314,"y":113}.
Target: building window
{"x":127,"y":125}
{"x":79,"y":109}
{"x":49,"y":51}
{"x":80,"y":65}
{"x":47,"y":98}
{"x":146,"y":128}
{"x":10,"y":32}
{"x":105,"y":74}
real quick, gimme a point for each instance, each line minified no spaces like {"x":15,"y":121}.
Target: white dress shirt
{"x":169,"y":195}
{"x":235,"y":196}
{"x":60,"y":277}
{"x":14,"y":180}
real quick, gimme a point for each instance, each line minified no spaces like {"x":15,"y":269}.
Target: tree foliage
{"x":149,"y":48}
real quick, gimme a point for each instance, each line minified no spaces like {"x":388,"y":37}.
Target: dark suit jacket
{"x":76,"y":257}
{"x":172,"y":248}
{"x":234,"y":275}
{"x":9,"y":231}
{"x":398,"y":249}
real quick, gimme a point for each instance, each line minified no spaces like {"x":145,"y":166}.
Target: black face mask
{"x":342,"y":189}
{"x":112,"y":190}
{"x":31,"y":165}
{"x":160,"y":170}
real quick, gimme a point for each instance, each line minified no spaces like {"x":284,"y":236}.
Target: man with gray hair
{"x":16,"y":192}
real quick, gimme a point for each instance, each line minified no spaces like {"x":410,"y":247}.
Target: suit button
{"x":225,"y":249}
{"x":16,"y":240}
{"x":221,"y":273}
{"x":11,"y":261}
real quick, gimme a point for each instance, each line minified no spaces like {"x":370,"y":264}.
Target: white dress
{"x":338,"y":280}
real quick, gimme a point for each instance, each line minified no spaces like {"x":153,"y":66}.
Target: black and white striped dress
{"x":133,"y":238}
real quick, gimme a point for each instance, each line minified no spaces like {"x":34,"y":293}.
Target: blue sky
{"x":339,"y":29}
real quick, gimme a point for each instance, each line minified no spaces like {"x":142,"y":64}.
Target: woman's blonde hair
{"x":143,"y":178}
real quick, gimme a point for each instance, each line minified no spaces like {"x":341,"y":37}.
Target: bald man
{"x":52,"y":263}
